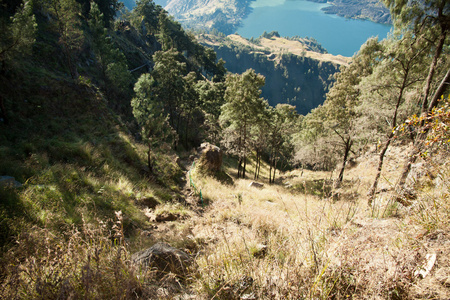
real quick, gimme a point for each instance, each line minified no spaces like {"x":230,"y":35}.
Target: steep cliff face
{"x":294,"y":74}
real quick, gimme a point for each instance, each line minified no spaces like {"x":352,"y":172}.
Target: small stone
{"x":256,"y":185}
{"x":167,"y":217}
{"x":260,"y":251}
{"x":9,"y":181}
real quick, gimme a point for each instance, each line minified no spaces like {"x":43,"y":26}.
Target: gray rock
{"x":256,"y":185}
{"x":9,"y":181}
{"x":164,"y":258}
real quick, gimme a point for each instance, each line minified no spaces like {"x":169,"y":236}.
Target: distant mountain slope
{"x":223,"y":15}
{"x":295,"y":74}
{"x":372,"y":10}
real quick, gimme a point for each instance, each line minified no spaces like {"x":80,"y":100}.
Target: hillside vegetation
{"x":103,"y":110}
{"x":297,"y":70}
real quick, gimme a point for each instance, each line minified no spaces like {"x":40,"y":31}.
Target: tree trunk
{"x":259,"y":165}
{"x":256,"y":165}
{"x":245,"y":165}
{"x":3,"y":111}
{"x":244,"y":147}
{"x":373,"y":189}
{"x":431,"y":71}
{"x":274,"y":171}
{"x":270,"y":168}
{"x":149,"y":158}
{"x":348,"y":146}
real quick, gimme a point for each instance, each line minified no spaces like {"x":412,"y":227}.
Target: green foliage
{"x":17,"y":35}
{"x":112,"y":61}
{"x":145,"y":16}
{"x":67,"y":24}
{"x":240,"y":112}
{"x":149,"y":113}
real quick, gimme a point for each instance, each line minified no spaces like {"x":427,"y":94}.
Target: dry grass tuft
{"x":91,"y":262}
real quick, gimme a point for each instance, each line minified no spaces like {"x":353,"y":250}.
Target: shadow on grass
{"x":317,"y":187}
{"x":13,"y":215}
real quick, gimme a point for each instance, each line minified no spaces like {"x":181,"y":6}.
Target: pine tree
{"x":150,"y":115}
{"x":17,"y":33}
{"x":243,"y":105}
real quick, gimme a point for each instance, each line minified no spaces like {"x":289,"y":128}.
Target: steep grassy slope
{"x":74,"y":156}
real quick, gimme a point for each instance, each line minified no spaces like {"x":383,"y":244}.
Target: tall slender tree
{"x":150,"y":115}
{"x":398,"y":72}
{"x":242,"y":106}
{"x":67,"y":15}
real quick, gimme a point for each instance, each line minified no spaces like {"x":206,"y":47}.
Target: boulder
{"x":9,"y":181}
{"x":210,"y":157}
{"x":164,"y":258}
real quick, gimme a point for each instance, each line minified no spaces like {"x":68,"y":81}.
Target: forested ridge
{"x":299,"y":79}
{"x":102,"y":110}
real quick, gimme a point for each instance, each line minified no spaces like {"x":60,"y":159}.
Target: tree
{"x":150,"y":115}
{"x":335,"y":123}
{"x":17,"y":36}
{"x":108,"y":9}
{"x":168,"y":73}
{"x":429,"y":19}
{"x":113,"y":63}
{"x":145,"y":17}
{"x":68,"y":25}
{"x":211,"y":99}
{"x":260,"y":136}
{"x":243,"y":104}
{"x":17,"y":33}
{"x":398,"y":71}
{"x":283,"y":119}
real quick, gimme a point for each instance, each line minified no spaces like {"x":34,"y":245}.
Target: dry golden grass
{"x":282,"y":242}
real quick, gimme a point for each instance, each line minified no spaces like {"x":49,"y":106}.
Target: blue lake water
{"x":303,"y":18}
